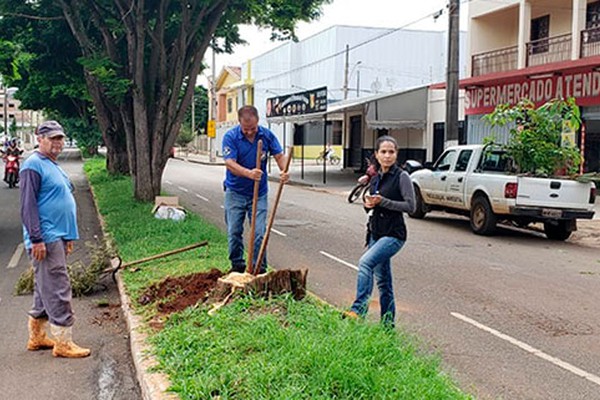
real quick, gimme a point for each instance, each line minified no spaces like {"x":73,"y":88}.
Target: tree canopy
{"x":141,"y":59}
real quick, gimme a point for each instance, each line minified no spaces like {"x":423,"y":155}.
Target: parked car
{"x":475,"y":180}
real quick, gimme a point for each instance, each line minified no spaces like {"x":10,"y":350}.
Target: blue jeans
{"x":376,"y":261}
{"x":237,"y":208}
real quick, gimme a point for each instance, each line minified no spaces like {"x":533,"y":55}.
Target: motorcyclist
{"x":11,"y":150}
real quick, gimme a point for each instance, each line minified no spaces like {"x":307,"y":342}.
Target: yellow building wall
{"x":493,"y":32}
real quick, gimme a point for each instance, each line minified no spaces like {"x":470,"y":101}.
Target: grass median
{"x":255,"y":348}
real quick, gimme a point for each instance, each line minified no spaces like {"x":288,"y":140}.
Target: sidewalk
{"x":302,"y":174}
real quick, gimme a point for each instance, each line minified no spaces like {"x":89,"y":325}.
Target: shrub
{"x":537,"y":144}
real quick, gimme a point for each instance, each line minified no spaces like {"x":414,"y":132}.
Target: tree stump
{"x":264,"y":285}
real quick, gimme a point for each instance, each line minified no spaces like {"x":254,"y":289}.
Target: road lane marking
{"x":14,"y":261}
{"x":223,"y":207}
{"x":182,"y":189}
{"x":202,"y":197}
{"x":536,"y":352}
{"x":334,"y":258}
{"x":277,"y":232}
{"x":168,"y":182}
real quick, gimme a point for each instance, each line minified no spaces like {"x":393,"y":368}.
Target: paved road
{"x":109,"y":372}
{"x":514,"y":316}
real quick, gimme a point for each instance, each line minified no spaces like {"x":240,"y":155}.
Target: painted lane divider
{"x":14,"y":261}
{"x":182,"y":189}
{"x":532,"y":350}
{"x":168,"y":182}
{"x":334,"y":258}
{"x":202,"y":197}
{"x":277,"y":232}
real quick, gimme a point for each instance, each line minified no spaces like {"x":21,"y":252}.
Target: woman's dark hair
{"x":380,"y":140}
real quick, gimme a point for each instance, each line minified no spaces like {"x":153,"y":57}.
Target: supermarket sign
{"x":583,"y":86}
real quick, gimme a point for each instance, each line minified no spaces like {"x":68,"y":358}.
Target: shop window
{"x":540,"y":31}
{"x":229,"y":106}
{"x":592,"y":22}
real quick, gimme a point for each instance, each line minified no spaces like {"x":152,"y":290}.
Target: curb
{"x":198,"y":161}
{"x":153,"y":385}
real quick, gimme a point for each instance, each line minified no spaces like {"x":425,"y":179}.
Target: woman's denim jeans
{"x":376,"y":261}
{"x":237,"y":207}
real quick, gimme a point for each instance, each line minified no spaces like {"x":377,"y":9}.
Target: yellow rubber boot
{"x":64,"y":346}
{"x":38,"y":339}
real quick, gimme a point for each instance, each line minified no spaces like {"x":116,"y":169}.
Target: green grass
{"x":137,"y":234}
{"x":255,"y":348}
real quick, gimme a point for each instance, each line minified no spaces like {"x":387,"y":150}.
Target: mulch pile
{"x":175,"y":294}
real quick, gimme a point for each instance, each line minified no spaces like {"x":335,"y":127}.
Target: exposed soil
{"x":175,"y":294}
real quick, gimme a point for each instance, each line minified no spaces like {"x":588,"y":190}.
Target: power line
{"x":432,"y":14}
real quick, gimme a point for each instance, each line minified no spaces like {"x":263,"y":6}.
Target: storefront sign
{"x":308,"y":102}
{"x":583,"y":86}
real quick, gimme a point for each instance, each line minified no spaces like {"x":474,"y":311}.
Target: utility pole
{"x":452,"y":72}
{"x":194,"y":112}
{"x":346,"y":66}
{"x":213,"y":105}
{"x":5,"y":109}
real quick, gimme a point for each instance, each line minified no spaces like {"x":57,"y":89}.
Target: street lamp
{"x":355,"y":67}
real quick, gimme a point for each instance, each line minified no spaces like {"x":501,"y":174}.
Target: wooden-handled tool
{"x":249,"y":264}
{"x":263,"y":245}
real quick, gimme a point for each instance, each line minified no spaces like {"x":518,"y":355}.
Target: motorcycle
{"x":361,"y":188}
{"x":11,"y":170}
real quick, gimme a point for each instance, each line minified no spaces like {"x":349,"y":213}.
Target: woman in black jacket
{"x":391,"y":194}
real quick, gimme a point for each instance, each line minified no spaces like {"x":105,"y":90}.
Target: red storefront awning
{"x":577,"y":78}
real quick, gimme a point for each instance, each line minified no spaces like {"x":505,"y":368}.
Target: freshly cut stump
{"x":264,"y":285}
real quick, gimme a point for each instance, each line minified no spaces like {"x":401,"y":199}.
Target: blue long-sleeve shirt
{"x":48,"y":209}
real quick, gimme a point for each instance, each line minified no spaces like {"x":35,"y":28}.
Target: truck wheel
{"x":420,"y":207}
{"x":483,"y":219}
{"x":557,"y":230}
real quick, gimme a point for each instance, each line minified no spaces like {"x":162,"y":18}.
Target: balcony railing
{"x":549,"y":50}
{"x":495,"y":61}
{"x":590,"y":42}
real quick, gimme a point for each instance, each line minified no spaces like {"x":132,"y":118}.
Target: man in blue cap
{"x":49,"y":215}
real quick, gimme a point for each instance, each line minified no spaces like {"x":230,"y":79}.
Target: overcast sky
{"x":373,"y":13}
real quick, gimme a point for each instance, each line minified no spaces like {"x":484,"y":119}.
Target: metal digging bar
{"x":263,"y":246}
{"x":119,"y":262}
{"x":249,"y":265}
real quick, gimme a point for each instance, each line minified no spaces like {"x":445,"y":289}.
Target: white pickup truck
{"x":472,"y":180}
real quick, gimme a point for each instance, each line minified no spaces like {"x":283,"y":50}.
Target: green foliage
{"x":108,"y":74}
{"x":535,"y":142}
{"x":83,"y":278}
{"x":185,"y":136}
{"x":87,"y":134}
{"x":42,"y":61}
{"x":200,"y":110}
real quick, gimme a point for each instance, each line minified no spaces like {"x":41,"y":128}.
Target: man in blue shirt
{"x":239,"y":152}
{"x":49,"y":215}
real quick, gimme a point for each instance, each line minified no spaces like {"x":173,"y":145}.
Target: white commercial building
{"x":360,"y":67}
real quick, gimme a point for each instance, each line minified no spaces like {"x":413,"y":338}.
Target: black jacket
{"x":383,"y":221}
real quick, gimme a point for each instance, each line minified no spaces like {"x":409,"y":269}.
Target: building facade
{"x":536,"y":49}
{"x":359,"y":66}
